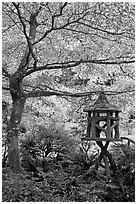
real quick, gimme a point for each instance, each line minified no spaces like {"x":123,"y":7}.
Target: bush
{"x":44,"y":147}
{"x":125,"y":175}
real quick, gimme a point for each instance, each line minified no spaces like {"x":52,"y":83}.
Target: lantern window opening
{"x":103,"y":114}
{"x":102,"y":123}
{"x":113,"y":114}
{"x":103,"y":134}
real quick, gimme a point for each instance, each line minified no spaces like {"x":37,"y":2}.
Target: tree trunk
{"x":18,"y":98}
{"x":18,"y":101}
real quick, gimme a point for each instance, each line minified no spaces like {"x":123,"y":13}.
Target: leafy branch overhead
{"x":59,"y":36}
{"x":51,"y":37}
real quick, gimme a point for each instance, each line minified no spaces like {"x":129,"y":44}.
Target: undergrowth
{"x":68,"y":179}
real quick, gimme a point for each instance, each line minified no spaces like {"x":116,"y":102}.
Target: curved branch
{"x":46,"y":93}
{"x":61,"y":10}
{"x":71,"y":64}
{"x":5,"y":88}
{"x":89,"y":34}
{"x":127,"y":74}
{"x":5,"y":30}
{"x":99,"y":29}
{"x":58,"y":28}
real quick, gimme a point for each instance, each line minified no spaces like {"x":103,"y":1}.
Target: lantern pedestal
{"x":104,"y":156}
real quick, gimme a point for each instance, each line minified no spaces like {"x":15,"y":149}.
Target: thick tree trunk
{"x":18,"y":101}
{"x":12,"y":136}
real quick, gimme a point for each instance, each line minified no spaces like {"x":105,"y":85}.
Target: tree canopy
{"x":41,"y":40}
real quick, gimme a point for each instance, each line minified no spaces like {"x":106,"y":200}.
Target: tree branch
{"x":46,"y":93}
{"x":99,"y":29}
{"x":89,"y":34}
{"x":24,"y":31}
{"x":125,"y":72}
{"x":9,"y":27}
{"x":5,"y":88}
{"x":61,"y":10}
{"x":71,"y":64}
{"x":58,"y":28}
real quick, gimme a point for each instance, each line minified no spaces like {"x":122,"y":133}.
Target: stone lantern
{"x":103,"y":125}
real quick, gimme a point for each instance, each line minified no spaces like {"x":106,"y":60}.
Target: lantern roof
{"x":102,"y":104}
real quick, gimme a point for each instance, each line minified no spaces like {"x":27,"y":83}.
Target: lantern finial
{"x":102,"y":100}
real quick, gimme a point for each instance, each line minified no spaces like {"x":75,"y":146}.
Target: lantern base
{"x":101,"y":139}
{"x":107,"y":159}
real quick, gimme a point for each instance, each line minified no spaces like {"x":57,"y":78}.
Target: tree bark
{"x":18,"y":101}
